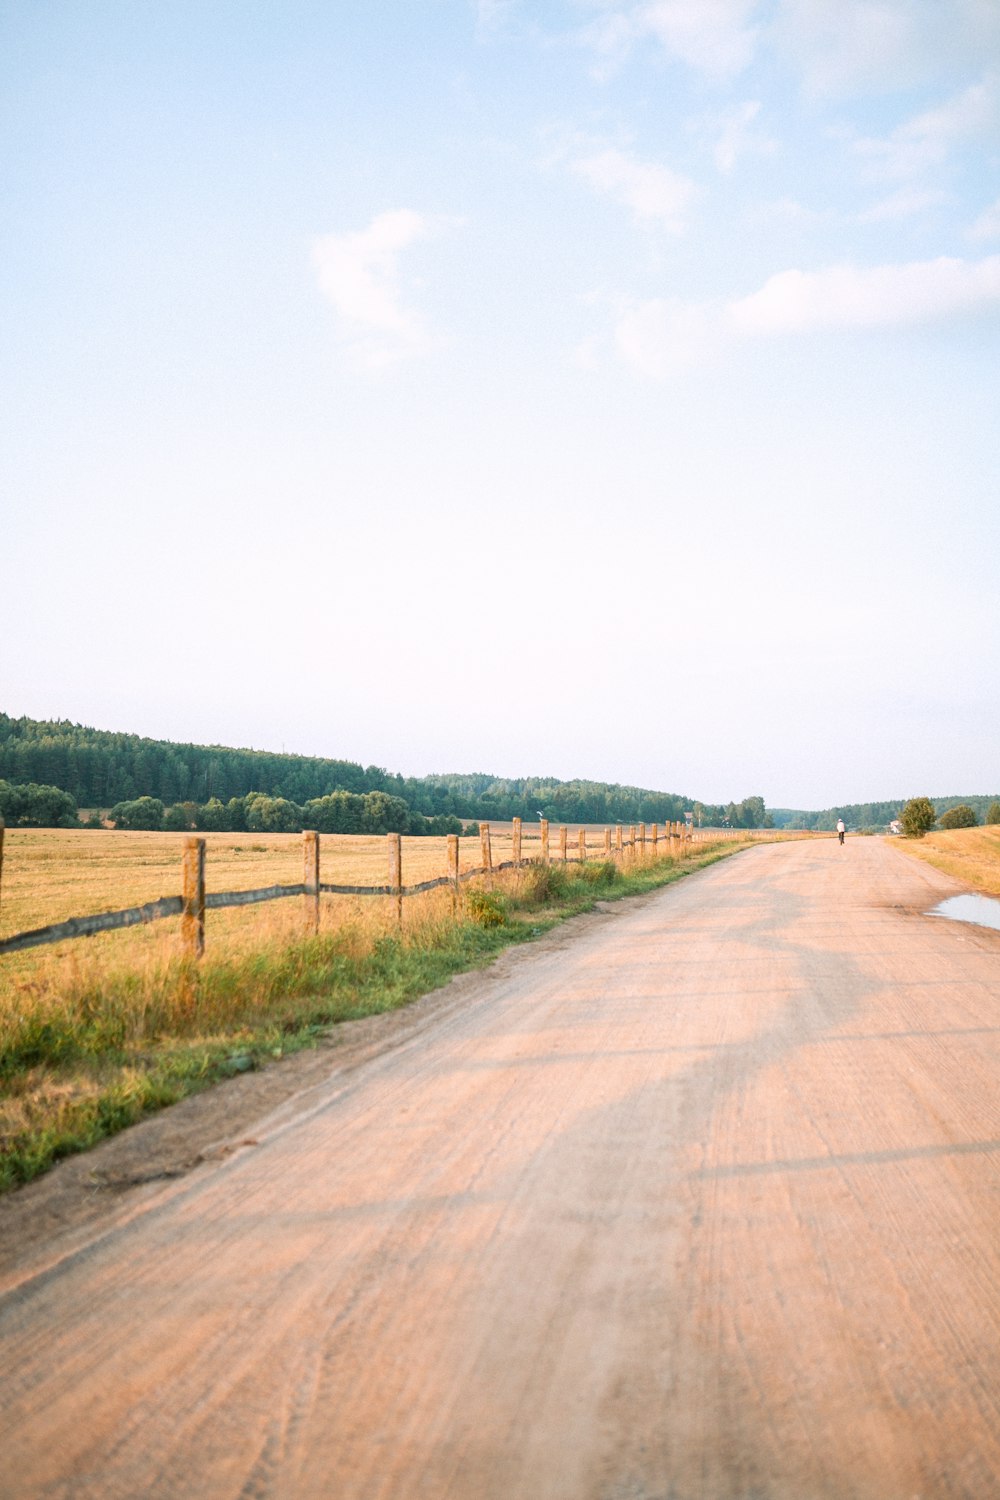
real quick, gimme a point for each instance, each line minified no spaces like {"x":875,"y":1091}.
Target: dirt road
{"x":701,"y":1202}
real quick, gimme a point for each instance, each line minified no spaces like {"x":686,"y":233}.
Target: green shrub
{"x":993,"y":814}
{"x":545,"y":883}
{"x":486,"y":907}
{"x":604,"y":873}
{"x":961,"y":816}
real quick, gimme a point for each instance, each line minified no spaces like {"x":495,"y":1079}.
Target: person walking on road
{"x":841,"y":830}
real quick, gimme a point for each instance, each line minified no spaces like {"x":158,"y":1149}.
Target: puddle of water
{"x":983,"y":910}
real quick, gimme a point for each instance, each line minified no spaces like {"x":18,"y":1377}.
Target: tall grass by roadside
{"x":89,"y":1045}
{"x":972,"y":855}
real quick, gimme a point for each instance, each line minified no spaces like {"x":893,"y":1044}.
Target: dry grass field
{"x":51,"y":874}
{"x":972,"y":855}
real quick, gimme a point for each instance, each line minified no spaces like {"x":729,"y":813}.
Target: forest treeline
{"x":875,"y":815}
{"x":99,"y":769}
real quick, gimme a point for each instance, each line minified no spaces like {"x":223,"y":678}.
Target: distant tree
{"x":211,"y":817}
{"x":993,"y":813}
{"x":175,"y":820}
{"x":35,"y":806}
{"x":139,"y":812}
{"x":384,"y":813}
{"x":918,"y":817}
{"x":272,"y":815}
{"x":962,"y":816}
{"x":338,"y":812}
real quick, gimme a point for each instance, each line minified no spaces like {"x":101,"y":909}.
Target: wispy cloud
{"x":836,"y":47}
{"x":736,"y":137}
{"x":663,"y":335}
{"x":359,"y":273}
{"x":926,"y":140}
{"x":987,"y":226}
{"x":902,"y":204}
{"x":651,"y":190}
{"x":878,"y":46}
{"x":714,"y":37}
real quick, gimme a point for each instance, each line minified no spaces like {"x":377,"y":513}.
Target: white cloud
{"x":663,"y":335}
{"x":902,"y":204}
{"x":879,"y":46}
{"x":359,"y":274}
{"x":735,"y":136}
{"x":873,"y":297}
{"x":650,"y":190}
{"x":926,"y":140}
{"x":987,"y":226}
{"x":493,"y":15}
{"x":837,"y":47}
{"x":715,"y":37}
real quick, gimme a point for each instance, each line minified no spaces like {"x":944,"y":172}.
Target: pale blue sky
{"x":590,"y":387}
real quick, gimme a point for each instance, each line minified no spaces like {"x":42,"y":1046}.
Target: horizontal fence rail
{"x":194,"y":901}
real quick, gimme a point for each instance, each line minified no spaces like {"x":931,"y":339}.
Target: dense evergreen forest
{"x":100,"y":769}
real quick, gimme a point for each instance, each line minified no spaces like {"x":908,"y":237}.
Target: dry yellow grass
{"x":52,"y":874}
{"x":971,"y":855}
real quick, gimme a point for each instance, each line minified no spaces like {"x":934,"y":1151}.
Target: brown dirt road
{"x":700,"y":1202}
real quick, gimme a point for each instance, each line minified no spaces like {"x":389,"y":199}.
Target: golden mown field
{"x":50,"y":875}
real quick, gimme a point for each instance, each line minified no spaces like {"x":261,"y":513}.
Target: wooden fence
{"x":194,"y":900}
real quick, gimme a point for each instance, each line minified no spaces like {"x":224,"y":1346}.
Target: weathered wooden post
{"x":583,"y":846}
{"x":517,"y":843}
{"x":618,"y":837}
{"x":487,"y":850}
{"x":607,"y":843}
{"x":543,"y":824}
{"x":656,"y":838}
{"x":396,"y":872}
{"x":310,"y":879}
{"x":642,"y":839}
{"x":562,"y":842}
{"x":193,"y":897}
{"x":631,"y":837}
{"x":453,"y":870}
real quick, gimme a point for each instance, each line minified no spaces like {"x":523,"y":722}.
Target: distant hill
{"x":100,"y":768}
{"x":873,"y":815}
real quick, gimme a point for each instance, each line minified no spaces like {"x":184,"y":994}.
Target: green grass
{"x":85,"y":1052}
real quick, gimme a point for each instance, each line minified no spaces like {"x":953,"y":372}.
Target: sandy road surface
{"x":702,"y":1204}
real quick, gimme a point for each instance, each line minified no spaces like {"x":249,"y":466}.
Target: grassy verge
{"x":89,"y":1048}
{"x":971,"y":855}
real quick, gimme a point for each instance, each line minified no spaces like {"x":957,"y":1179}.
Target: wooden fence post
{"x":656,"y":837}
{"x":618,"y":837}
{"x":453,"y":870}
{"x":310,"y":879}
{"x":562,"y":842}
{"x":193,"y":896}
{"x":487,"y":849}
{"x":642,"y":838}
{"x":396,"y":872}
{"x":544,"y":825}
{"x":631,"y":837}
{"x":517,"y":843}
{"x":607,"y":843}
{"x":583,"y":846}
